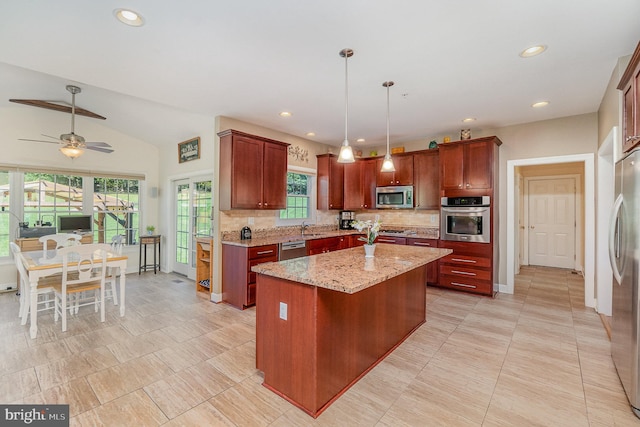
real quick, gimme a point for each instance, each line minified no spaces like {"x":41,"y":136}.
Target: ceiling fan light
{"x":387,"y":164}
{"x":346,"y":153}
{"x":71,"y":152}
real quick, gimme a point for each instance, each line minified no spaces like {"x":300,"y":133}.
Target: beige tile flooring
{"x":535,"y":358}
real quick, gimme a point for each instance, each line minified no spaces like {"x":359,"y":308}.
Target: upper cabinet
{"x":330,"y":182}
{"x":360,"y":184}
{"x":253,"y":172}
{"x":426,"y":177}
{"x":403,"y":174}
{"x":630,"y":87}
{"x":467,"y":168}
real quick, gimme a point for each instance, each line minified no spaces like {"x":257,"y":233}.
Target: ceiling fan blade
{"x":39,"y":140}
{"x":57,"y":107}
{"x":97,"y":144}
{"x":52,"y":137}
{"x":102,"y":150}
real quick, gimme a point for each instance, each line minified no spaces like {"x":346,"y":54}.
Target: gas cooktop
{"x":392,"y":232}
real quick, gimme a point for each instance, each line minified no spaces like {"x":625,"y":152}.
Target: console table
{"x":149,"y":240}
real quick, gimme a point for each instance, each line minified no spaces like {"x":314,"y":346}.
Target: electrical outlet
{"x":433,"y":218}
{"x":251,"y":220}
{"x":283,"y":311}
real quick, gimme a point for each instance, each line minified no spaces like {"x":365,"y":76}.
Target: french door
{"x":192,"y":198}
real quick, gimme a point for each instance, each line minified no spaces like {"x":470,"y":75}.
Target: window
{"x":48,"y":195}
{"x":299,"y":202}
{"x":5,"y":216}
{"x":115,"y":209}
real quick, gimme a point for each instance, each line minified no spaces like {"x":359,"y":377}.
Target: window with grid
{"x":5,"y":215}
{"x":298,"y":197}
{"x":115,"y":209}
{"x":48,"y":195}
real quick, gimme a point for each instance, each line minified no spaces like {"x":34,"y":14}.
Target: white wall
{"x":131,"y":155}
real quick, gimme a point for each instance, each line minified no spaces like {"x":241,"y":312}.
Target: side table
{"x":149,"y":240}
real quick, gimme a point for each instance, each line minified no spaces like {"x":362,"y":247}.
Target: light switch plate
{"x":283,"y":311}
{"x":250,"y":221}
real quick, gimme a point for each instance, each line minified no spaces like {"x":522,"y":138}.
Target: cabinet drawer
{"x":468,"y":285}
{"x":263,"y":251}
{"x":468,"y":260}
{"x":429,"y":243}
{"x":465,"y":273}
{"x":394,"y":240}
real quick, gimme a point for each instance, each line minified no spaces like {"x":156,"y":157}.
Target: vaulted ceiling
{"x":252,"y":59}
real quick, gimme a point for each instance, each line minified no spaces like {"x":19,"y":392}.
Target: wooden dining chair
{"x":83,"y":269}
{"x":44,"y":289}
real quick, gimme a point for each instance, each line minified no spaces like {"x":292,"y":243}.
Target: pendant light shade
{"x":346,"y":152}
{"x":387,"y":163}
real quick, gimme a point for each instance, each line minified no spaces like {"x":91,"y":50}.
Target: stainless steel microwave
{"x":397,"y":197}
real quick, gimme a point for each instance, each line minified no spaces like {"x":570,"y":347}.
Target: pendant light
{"x":346,"y":152}
{"x":387,"y":164}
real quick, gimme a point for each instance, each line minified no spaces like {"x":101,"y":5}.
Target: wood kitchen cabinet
{"x":330,"y":182}
{"x":204,"y":262}
{"x":470,"y":167}
{"x":403,"y":174}
{"x":360,"y":184}
{"x":253,"y":172}
{"x":469,"y":268}
{"x":238,"y":281}
{"x":433,"y":271}
{"x":327,"y":244}
{"x":426,"y":177}
{"x":630,"y":87}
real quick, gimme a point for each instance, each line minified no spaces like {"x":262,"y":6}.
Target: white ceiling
{"x":196,"y":59}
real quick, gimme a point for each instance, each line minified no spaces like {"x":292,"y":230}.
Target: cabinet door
{"x":404,"y":169}
{"x":330,"y":182}
{"x":369,"y":174}
{"x":451,"y":172}
{"x":246,"y":178}
{"x":426,"y":171}
{"x":274,"y":183}
{"x":353,"y":180}
{"x":478,"y":165}
{"x":433,"y":271}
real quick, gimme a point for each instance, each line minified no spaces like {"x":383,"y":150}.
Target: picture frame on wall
{"x":189,"y":150}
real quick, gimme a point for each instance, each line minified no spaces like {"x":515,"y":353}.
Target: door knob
{"x":532,"y":227}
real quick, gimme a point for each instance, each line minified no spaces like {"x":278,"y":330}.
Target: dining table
{"x":40,"y":264}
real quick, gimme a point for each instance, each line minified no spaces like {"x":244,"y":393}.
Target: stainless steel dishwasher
{"x":290,"y":250}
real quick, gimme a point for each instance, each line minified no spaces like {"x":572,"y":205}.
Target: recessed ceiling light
{"x":285,"y":114}
{"x":533,"y":51}
{"x":129,"y":17}
{"x":469,"y":119}
{"x":360,"y":140}
{"x":540,"y":104}
{"x":311,"y":134}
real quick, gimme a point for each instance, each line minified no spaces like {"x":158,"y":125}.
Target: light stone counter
{"x":348,"y":270}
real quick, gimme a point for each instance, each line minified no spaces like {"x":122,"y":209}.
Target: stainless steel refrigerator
{"x":624,"y":253}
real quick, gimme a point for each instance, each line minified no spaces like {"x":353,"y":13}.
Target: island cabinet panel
{"x":433,"y":271}
{"x":403,"y":174}
{"x":253,"y":172}
{"x":330,"y":182}
{"x":469,"y":268}
{"x":330,"y":339}
{"x":238,"y":281}
{"x":468,"y":168}
{"x":630,"y":87}
{"x":426,"y":173}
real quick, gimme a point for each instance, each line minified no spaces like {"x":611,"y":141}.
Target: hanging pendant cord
{"x":346,"y":95}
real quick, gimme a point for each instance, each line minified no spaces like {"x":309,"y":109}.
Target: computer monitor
{"x":75,"y":223}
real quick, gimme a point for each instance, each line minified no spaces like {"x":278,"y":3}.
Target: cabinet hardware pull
{"x":265,"y":252}
{"x":386,"y":240}
{"x":466,"y":273}
{"x":631,"y":138}
{"x":464,"y":260}
{"x":463,"y":285}
{"x":422,"y":244}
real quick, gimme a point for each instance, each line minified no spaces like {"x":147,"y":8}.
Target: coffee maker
{"x":345,"y":219}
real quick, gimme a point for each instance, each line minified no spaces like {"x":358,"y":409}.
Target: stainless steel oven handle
{"x":448,"y":209}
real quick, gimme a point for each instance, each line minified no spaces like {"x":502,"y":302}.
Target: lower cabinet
{"x":328,"y":244}
{"x":469,"y":268}
{"x":238,"y":281}
{"x":432,"y":267}
{"x":204,"y":256}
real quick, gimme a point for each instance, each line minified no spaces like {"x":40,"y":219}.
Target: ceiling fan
{"x":73,"y":145}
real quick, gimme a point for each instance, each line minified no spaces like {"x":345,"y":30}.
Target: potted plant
{"x":372,"y":229}
{"x":150,"y":229}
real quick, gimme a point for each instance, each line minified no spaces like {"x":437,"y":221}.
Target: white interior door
{"x":552,"y":222}
{"x":192,"y":208}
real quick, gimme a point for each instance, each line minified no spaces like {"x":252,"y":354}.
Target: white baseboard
{"x":216,"y":297}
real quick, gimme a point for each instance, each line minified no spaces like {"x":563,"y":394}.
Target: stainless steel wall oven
{"x":466,"y":219}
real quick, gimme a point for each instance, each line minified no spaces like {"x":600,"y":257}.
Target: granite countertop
{"x":348,"y":270}
{"x":422,"y":233}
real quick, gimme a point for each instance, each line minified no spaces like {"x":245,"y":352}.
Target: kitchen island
{"x":323,"y":321}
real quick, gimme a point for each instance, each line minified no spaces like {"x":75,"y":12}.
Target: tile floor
{"x":535,"y":358}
